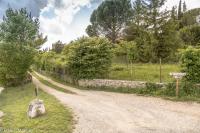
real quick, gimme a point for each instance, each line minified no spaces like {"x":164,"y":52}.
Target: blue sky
{"x":66,"y":20}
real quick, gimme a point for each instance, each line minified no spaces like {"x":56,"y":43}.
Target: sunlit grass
{"x":14,"y":103}
{"x":143,"y":72}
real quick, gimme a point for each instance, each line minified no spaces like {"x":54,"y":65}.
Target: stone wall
{"x":112,"y":83}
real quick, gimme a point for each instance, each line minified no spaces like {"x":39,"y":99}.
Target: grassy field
{"x":143,"y":72}
{"x":14,"y":103}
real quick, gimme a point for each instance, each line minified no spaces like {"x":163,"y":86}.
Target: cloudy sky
{"x":66,"y":20}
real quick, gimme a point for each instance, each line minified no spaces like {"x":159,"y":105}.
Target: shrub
{"x":88,"y":58}
{"x":14,"y":63}
{"x":191,"y":35}
{"x":190,"y":62}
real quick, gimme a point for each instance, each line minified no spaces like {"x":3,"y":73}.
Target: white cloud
{"x":190,"y":3}
{"x":59,"y":27}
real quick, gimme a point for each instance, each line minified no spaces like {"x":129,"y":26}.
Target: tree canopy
{"x":110,"y":18}
{"x":18,"y":32}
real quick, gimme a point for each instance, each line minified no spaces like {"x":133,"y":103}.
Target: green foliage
{"x":17,"y":33}
{"x":180,"y":13}
{"x":189,"y":17}
{"x":19,"y":26}
{"x":14,"y":63}
{"x":126,"y":49}
{"x":191,"y":35}
{"x":57,"y":47}
{"x":168,"y":42}
{"x":144,"y":42}
{"x":191,"y":64}
{"x":110,"y":18}
{"x":89,"y":58}
{"x":40,"y":40}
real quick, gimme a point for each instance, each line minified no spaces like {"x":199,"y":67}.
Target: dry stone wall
{"x":112,"y":83}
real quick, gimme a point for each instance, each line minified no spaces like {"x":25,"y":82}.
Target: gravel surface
{"x":106,"y":112}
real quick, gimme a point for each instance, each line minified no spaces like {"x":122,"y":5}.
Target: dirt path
{"x":105,"y":112}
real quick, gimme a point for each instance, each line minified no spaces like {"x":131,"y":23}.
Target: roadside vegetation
{"x":129,"y":43}
{"x":187,"y":91}
{"x":50,"y":84}
{"x":14,"y":103}
{"x":148,"y":49}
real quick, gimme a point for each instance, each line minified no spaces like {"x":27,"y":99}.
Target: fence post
{"x":160,"y":70}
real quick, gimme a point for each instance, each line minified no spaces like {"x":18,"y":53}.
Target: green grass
{"x":51,"y":85}
{"x":14,"y":103}
{"x":143,"y":72}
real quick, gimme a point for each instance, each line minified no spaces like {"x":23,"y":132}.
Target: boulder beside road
{"x":36,"y":108}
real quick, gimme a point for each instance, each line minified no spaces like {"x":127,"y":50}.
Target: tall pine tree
{"x":184,"y":7}
{"x":180,"y":13}
{"x":174,"y":13}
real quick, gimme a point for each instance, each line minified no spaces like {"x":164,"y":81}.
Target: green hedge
{"x":85,"y":58}
{"x":191,"y":64}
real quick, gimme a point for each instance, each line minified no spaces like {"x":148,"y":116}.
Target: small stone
{"x":36,"y":108}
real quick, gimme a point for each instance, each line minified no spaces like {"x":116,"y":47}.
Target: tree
{"x":139,"y":12}
{"x":110,"y":18}
{"x":40,"y":39}
{"x":138,"y":21}
{"x":144,"y":42}
{"x":17,"y":32}
{"x":180,"y":13}
{"x":184,"y":7}
{"x":58,"y":47}
{"x":191,"y":35}
{"x":168,"y":42}
{"x":91,"y":30}
{"x":155,"y":17}
{"x":88,"y":58}
{"x":189,"y":17}
{"x":19,"y":26}
{"x":174,"y":13}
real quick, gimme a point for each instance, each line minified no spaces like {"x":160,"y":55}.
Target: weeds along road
{"x":106,"y":112}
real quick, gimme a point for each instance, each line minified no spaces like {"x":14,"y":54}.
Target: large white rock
{"x":36,"y":108}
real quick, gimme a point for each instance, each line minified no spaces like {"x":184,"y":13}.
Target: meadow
{"x":143,"y":72}
{"x":14,"y":103}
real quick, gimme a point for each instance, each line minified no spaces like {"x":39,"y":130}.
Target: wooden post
{"x":160,"y":70}
{"x":177,"y":88}
{"x":36,"y":91}
{"x":131,"y":70}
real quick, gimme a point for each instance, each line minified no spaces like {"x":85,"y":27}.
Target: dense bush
{"x":126,"y":50}
{"x":85,"y":58}
{"x":14,"y":63}
{"x":17,"y":34}
{"x":191,"y":64}
{"x":88,"y":58}
{"x":191,"y":35}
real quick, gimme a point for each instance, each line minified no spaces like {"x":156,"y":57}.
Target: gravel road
{"x":106,"y":112}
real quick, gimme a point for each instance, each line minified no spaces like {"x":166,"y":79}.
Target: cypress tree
{"x":184,"y":7}
{"x":180,"y":14}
